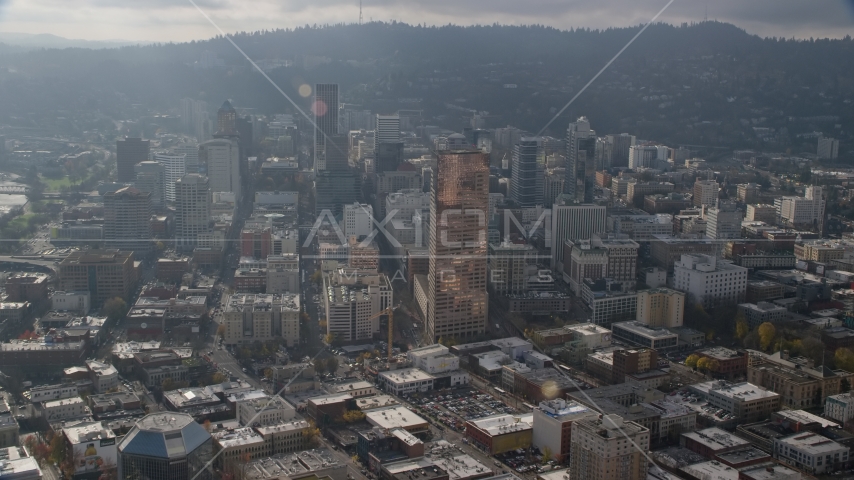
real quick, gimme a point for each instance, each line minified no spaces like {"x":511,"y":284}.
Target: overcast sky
{"x":178,"y":20}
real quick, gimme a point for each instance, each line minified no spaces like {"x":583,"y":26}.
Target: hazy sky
{"x":178,"y":20}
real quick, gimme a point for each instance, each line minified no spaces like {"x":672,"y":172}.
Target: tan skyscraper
{"x":456,"y":296}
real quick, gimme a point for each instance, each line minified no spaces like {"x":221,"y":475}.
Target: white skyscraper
{"x":175,"y":167}
{"x":151,"y":177}
{"x":358,"y":220}
{"x":191,"y":150}
{"x":827,"y":148}
{"x":643,"y":156}
{"x":222,"y":158}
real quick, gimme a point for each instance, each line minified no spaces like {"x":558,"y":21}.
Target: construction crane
{"x":390,"y":312}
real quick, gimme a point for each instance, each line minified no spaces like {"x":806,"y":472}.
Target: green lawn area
{"x":54,"y":184}
{"x":21,"y":220}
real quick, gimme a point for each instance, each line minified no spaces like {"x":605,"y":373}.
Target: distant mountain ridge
{"x":48,"y":40}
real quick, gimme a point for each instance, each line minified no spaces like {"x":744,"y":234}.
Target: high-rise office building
{"x":222,"y":157}
{"x":643,"y":156}
{"x":723,"y":221}
{"x":358,"y":220}
{"x":325,"y":110}
{"x":573,"y":222}
{"x":226,"y":120}
{"x":608,"y":448}
{"x":457,"y":299}
{"x":127,"y":220}
{"x":191,"y":152}
{"x":527,"y":172}
{"x":580,"y":147}
{"x":164,"y":446}
{"x":129,"y":152}
{"x":661,"y":307}
{"x":151,"y":177}
{"x":174,"y":166}
{"x":617,"y":150}
{"x":105,"y":274}
{"x":705,"y":193}
{"x":192,"y":210}
{"x":194,"y":118}
{"x":827,"y":148}
{"x":388,"y":128}
{"x":388,"y":156}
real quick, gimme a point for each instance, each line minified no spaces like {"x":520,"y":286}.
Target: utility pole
{"x":360,"y":12}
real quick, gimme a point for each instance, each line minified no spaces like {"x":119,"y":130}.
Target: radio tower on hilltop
{"x":360,"y":12}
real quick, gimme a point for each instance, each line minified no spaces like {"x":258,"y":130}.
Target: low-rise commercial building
{"x":840,"y":407}
{"x":501,"y":433}
{"x":727,"y":363}
{"x":810,"y":452}
{"x":642,"y":335}
{"x":405,"y":381}
{"x":746,"y":401}
{"x":758,"y":313}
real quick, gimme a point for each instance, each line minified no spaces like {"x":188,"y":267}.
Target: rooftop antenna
{"x":360,"y":12}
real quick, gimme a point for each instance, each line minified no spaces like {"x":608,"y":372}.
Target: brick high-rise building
{"x":26,"y":287}
{"x":127,"y":220}
{"x":103,"y":273}
{"x":457,"y":299}
{"x":129,"y":152}
{"x":608,"y":448}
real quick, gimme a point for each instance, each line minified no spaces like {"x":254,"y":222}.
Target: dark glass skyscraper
{"x":129,"y":152}
{"x":325,"y":110}
{"x":526,"y":177}
{"x":575,"y":163}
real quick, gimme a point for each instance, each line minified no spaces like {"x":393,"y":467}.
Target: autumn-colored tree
{"x":207,"y":425}
{"x":311,"y":434}
{"x":714,"y":365}
{"x":220,"y":331}
{"x":691,"y":361}
{"x":843,"y":358}
{"x":703,"y":363}
{"x":767,"y":334}
{"x":741,"y":327}
{"x":353,"y":416}
{"x":268,"y":374}
{"x":328,"y":338}
{"x":317,"y":277}
{"x":218,"y":378}
{"x":547,"y":455}
{"x":167,"y":384}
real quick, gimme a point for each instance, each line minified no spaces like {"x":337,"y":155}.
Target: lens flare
{"x":319,"y":108}
{"x":550,"y":389}
{"x":304,"y":90}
